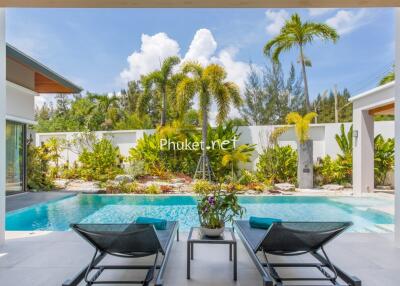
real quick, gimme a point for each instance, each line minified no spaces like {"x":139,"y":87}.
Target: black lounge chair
{"x":290,"y":239}
{"x":127,"y":241}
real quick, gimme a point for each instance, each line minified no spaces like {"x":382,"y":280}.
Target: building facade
{"x":25,"y":79}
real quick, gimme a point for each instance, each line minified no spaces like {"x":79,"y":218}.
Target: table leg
{"x":188,"y":261}
{"x":191,"y":251}
{"x":235,"y":261}
{"x":230,"y":252}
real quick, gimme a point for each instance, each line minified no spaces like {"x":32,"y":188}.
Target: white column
{"x":2,"y":123}
{"x":363,"y":151}
{"x":397,"y":131}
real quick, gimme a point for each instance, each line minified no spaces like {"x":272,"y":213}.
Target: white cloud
{"x":276,"y":20}
{"x":315,"y":12}
{"x":202,"y":47}
{"x":153,"y":51}
{"x":346,"y":21}
{"x":237,"y":71}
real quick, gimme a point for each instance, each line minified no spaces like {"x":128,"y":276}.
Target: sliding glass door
{"x":15,"y":156}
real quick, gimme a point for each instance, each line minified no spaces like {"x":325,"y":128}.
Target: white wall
{"x":323,"y":136}
{"x":20,"y":102}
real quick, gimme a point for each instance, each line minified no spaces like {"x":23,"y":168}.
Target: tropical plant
{"x":383,"y":159}
{"x":160,"y":81}
{"x":102,"y":163}
{"x":135,"y":168}
{"x":241,"y":154}
{"x":54,"y":147}
{"x":38,"y":168}
{"x":345,"y":141}
{"x":302,"y":124}
{"x":247,"y":177}
{"x":333,"y":171}
{"x":278,"y":164}
{"x":209,"y":84}
{"x":297,"y":34}
{"x":217,"y":207}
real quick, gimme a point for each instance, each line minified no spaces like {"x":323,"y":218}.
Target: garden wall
{"x":323,"y":136}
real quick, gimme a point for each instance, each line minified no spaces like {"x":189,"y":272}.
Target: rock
{"x":333,"y":187}
{"x":274,"y":192}
{"x":178,"y":181}
{"x":251,"y":192}
{"x":124,"y":178}
{"x":61,"y":183}
{"x":83,"y":186}
{"x":285,"y":187}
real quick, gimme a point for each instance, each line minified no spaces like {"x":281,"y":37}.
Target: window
{"x":15,"y":156}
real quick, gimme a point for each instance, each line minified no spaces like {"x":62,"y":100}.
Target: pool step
{"x":386,"y":227}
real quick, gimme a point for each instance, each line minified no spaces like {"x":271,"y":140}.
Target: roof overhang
{"x":46,"y":80}
{"x":199,"y":3}
{"x":377,"y":101}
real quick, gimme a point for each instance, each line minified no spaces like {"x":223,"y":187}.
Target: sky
{"x":102,"y":49}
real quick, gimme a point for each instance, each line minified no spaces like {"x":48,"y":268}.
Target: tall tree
{"x":297,"y":34}
{"x":269,"y":97}
{"x":160,"y":82}
{"x":210,"y":85}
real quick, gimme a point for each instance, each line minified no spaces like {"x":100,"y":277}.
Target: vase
{"x":212,"y":232}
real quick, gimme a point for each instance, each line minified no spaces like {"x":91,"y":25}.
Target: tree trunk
{"x":164,"y":108}
{"x":204,"y":140}
{"x":303,"y":69}
{"x":335,"y":94}
{"x":305,"y":172}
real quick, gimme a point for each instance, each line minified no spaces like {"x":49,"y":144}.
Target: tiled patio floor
{"x":48,"y":258}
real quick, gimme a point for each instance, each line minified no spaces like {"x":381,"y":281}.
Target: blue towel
{"x":262,"y":222}
{"x":160,"y":224}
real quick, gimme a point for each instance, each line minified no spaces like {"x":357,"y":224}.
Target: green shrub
{"x":333,"y":171}
{"x":247,"y":177}
{"x":204,"y":187}
{"x":136,"y":168}
{"x":384,"y":158}
{"x":278,"y":164}
{"x":163,"y":160}
{"x":102,"y":163}
{"x":152,"y":190}
{"x":38,"y":175}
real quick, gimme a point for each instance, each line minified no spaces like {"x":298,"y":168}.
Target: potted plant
{"x":217,"y":207}
{"x":305,"y":173}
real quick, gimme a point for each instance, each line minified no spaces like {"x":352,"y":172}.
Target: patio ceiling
{"x":199,"y":3}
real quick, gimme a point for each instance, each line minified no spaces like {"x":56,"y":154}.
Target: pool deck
{"x":49,"y":258}
{"x":23,"y":200}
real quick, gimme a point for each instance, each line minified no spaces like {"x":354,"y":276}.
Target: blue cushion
{"x":262,"y":222}
{"x":160,"y":224}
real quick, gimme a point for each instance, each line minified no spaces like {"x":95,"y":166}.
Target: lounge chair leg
{"x":177,"y":234}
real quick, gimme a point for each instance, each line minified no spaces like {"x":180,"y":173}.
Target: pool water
{"x":57,"y":215}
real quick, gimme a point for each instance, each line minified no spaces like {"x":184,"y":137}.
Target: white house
{"x":25,"y":79}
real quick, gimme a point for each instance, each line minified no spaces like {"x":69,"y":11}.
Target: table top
{"x":227,"y":236}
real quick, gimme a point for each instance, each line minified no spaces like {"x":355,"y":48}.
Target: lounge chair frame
{"x":330,"y":272}
{"x":98,"y":256}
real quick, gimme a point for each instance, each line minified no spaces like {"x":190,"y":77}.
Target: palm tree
{"x":296,"y":34}
{"x":233,"y":157}
{"x":209,"y":84}
{"x":161,"y":81}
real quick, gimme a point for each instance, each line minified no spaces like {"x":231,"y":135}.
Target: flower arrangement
{"x":216,"y":207}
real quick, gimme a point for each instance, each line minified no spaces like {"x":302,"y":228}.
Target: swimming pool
{"x":57,"y":215}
